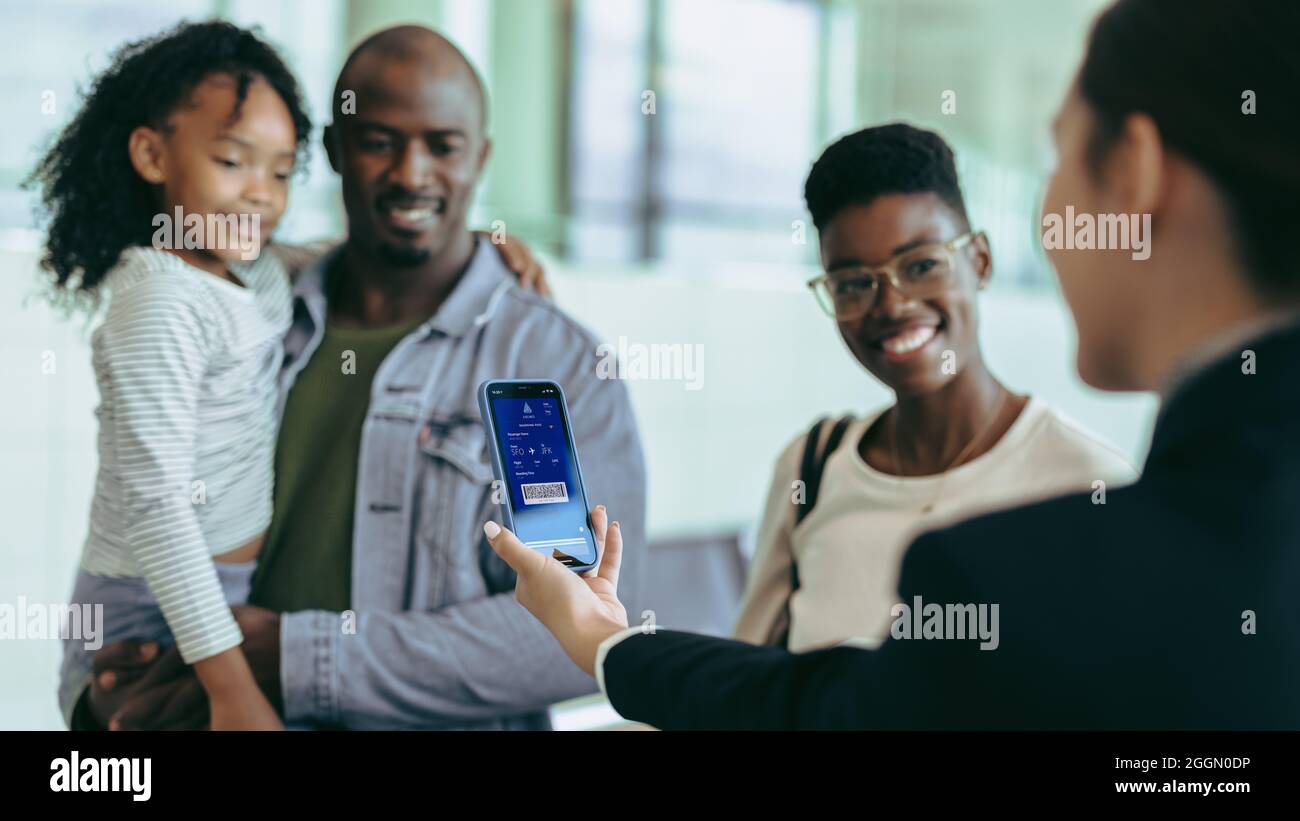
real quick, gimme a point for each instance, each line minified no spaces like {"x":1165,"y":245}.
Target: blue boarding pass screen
{"x":547,"y":504}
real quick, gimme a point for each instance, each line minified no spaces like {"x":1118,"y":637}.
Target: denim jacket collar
{"x":469,"y":304}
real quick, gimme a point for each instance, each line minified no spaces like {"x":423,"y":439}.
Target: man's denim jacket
{"x":435,"y":637}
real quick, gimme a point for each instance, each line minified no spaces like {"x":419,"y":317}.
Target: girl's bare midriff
{"x":246,"y":552}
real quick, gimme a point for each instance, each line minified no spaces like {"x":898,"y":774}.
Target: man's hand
{"x":580,"y":610}
{"x":134,"y":687}
{"x":519,"y":258}
{"x":261,"y":629}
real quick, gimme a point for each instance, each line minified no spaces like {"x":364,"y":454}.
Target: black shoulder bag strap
{"x":811,"y":467}
{"x":814,"y":462}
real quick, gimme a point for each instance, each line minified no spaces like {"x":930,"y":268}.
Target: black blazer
{"x":1128,"y":614}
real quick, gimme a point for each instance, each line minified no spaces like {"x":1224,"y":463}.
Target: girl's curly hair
{"x":96,"y":202}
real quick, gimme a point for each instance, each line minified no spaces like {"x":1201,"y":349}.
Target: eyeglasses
{"x":923,"y":272}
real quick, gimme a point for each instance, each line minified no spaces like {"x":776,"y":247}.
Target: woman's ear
{"x":145,"y":146}
{"x":1138,"y":165}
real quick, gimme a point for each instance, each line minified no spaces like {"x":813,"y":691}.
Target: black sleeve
{"x":675,"y":680}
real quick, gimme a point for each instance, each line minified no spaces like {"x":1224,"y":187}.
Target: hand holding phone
{"x":581,"y":610}
{"x":535,"y":462}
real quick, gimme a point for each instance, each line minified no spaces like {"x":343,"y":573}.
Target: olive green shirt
{"x":306,"y":561}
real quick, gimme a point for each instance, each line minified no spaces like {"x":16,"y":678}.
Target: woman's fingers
{"x":537,"y":274}
{"x":567,"y":605}
{"x":599,"y":524}
{"x":610,"y":541}
{"x":612,"y":557}
{"x":528,"y":564}
{"x":523,"y":561}
{"x":519,"y":258}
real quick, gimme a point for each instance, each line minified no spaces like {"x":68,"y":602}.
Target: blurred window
{"x":716,"y":171}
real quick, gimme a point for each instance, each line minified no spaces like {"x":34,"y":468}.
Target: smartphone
{"x":536,"y":464}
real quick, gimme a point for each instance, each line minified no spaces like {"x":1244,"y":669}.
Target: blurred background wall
{"x":679,"y":226}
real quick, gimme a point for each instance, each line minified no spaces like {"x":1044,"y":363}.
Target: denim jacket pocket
{"x":462,"y":444}
{"x":455,"y":499}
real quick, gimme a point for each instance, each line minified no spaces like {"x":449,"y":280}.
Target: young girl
{"x":199,"y":126}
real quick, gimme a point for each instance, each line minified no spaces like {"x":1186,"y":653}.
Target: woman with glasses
{"x":903,"y":271}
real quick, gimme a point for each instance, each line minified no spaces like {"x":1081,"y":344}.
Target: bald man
{"x":377,"y":602}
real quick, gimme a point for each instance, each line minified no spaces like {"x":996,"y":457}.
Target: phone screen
{"x":547,"y":501}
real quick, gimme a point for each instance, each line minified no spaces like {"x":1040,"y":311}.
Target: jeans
{"x":130,"y":611}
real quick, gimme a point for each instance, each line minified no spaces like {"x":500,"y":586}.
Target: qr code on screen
{"x":545,"y":493}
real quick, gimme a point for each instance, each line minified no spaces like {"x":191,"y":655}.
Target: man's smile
{"x":412,"y":216}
